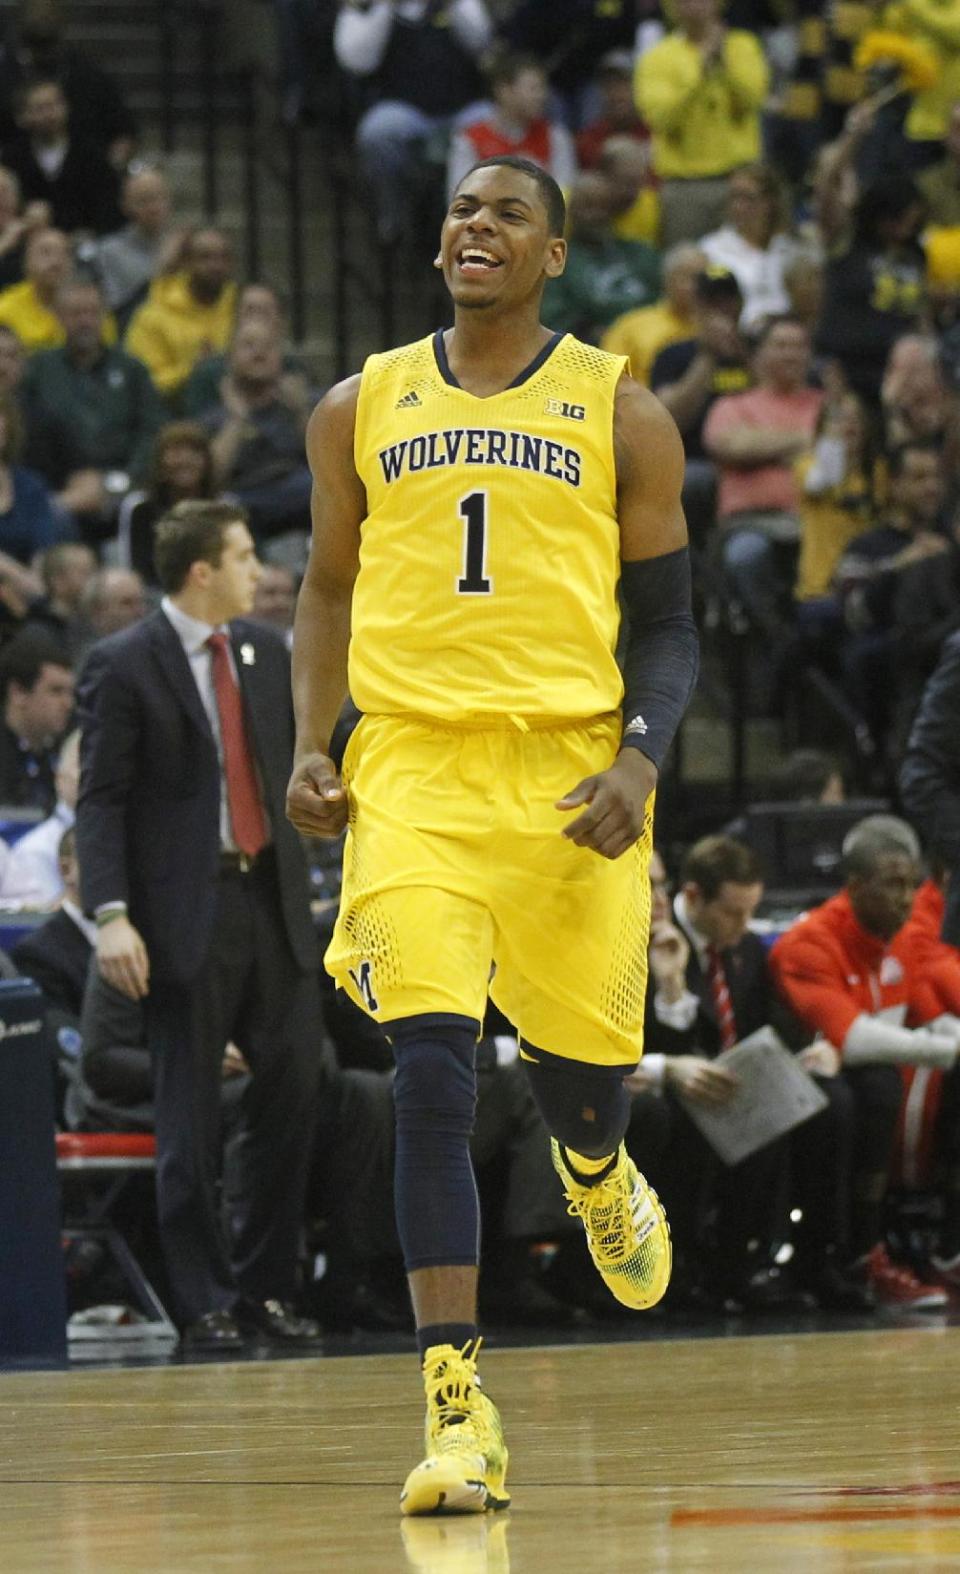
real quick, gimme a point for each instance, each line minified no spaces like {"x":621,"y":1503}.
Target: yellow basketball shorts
{"x":455,"y":865}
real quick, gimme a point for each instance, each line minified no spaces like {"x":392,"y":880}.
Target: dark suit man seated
{"x":711,"y":988}
{"x":199,"y":887}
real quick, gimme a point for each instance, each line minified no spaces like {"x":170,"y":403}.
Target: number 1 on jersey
{"x":473,"y":511}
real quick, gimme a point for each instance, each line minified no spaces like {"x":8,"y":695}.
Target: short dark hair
{"x":25,"y":657}
{"x":192,"y":532}
{"x":714,"y":860}
{"x":550,"y":194}
{"x":506,"y":67}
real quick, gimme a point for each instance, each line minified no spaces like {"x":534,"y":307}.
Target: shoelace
{"x":607,"y":1213}
{"x":450,"y":1388}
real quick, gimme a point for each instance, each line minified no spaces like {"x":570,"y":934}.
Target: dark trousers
{"x":251,"y":991}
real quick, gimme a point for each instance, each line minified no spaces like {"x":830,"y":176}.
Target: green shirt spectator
{"x":90,"y":409}
{"x":604,"y":276}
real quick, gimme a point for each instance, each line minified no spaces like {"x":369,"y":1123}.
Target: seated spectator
{"x":869,"y":577}
{"x":255,"y":303}
{"x":572,"y":36}
{"x":29,"y":309}
{"x":712,"y":989}
{"x":604,"y":277}
{"x":701,"y":90}
{"x":28,"y":524}
{"x":36,"y":692}
{"x":131,"y":258}
{"x":55,"y":165}
{"x":690,"y":375}
{"x":754,"y":438}
{"x":186,"y":315}
{"x":640,"y":335}
{"x":258,"y":433}
{"x":91,"y":413}
{"x":926,"y":612}
{"x":874,"y":289}
{"x":33,"y":876}
{"x":917,"y":405}
{"x":35,"y":47}
{"x":618,"y":115}
{"x":422,"y":64}
{"x":182,"y":467}
{"x":519,"y":124}
{"x":837,"y":499}
{"x":939,"y":183}
{"x":65,"y":570}
{"x":275,"y":598}
{"x":56,"y":956}
{"x":114,"y":598}
{"x":838,"y":970}
{"x":17,"y":222}
{"x":635,"y":199}
{"x":754,"y":243}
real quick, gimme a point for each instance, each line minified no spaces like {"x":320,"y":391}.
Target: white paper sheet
{"x":775,"y":1094}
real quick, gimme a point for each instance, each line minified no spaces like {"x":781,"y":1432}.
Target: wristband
{"x":102,"y":919}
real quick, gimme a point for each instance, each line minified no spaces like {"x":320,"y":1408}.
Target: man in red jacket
{"x":840,"y":971}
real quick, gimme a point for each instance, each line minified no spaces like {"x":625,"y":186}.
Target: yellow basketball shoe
{"x":466,"y":1464}
{"x":627,"y":1230}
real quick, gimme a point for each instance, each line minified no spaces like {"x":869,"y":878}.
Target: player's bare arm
{"x":316,"y":802}
{"x":653,"y":531}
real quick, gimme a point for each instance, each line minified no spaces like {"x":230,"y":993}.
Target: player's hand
{"x":616,"y":802}
{"x":122,"y":958}
{"x":316,"y":801}
{"x":699,"y":1079}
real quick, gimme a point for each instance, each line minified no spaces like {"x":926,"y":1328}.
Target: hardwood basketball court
{"x":821,"y":1451}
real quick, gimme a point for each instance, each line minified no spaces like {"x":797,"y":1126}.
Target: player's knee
{"x":588,"y":1114}
{"x":435,"y":1087}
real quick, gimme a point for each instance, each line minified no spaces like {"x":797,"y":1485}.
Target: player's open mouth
{"x":475,"y":260}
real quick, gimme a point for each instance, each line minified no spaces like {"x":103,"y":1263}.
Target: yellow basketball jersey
{"x":490,"y":553}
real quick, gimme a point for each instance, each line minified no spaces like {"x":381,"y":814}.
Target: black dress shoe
{"x":837,"y":1290}
{"x":276,"y":1322}
{"x":213,"y":1331}
{"x":772,"y":1290}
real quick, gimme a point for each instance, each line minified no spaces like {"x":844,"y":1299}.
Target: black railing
{"x":191,"y":58}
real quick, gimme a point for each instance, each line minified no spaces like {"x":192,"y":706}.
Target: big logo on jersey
{"x":480,"y":445}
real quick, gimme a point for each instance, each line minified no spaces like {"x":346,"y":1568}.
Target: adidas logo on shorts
{"x":409,"y":401}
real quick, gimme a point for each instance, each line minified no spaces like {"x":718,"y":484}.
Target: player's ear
{"x":556,"y":259}
{"x":438,"y":261}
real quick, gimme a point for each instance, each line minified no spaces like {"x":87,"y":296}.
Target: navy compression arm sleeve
{"x":662,"y":653}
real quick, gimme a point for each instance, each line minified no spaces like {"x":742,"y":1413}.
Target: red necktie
{"x":243,"y":790}
{"x":722,"y":1004}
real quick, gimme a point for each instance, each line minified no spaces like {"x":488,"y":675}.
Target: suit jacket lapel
{"x":176,"y":669}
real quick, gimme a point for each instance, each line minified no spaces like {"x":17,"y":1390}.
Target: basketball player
{"x":478,"y":497}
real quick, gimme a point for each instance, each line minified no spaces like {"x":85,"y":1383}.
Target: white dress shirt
{"x":32,"y":876}
{"x":193,"y":636}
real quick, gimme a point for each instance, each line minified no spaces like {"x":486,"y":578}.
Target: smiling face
{"x":496,"y":248}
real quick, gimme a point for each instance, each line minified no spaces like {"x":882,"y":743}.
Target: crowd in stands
{"x":764,"y":220}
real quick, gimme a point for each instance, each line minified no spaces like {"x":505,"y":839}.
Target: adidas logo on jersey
{"x":409,"y":401}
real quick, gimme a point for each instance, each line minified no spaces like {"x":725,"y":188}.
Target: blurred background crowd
{"x":764,"y":219}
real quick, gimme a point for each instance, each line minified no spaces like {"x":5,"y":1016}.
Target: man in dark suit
{"x":726,"y":994}
{"x":199,"y":889}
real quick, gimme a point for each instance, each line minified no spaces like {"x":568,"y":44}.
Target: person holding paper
{"x":719,"y":993}
{"x":839,"y":970}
